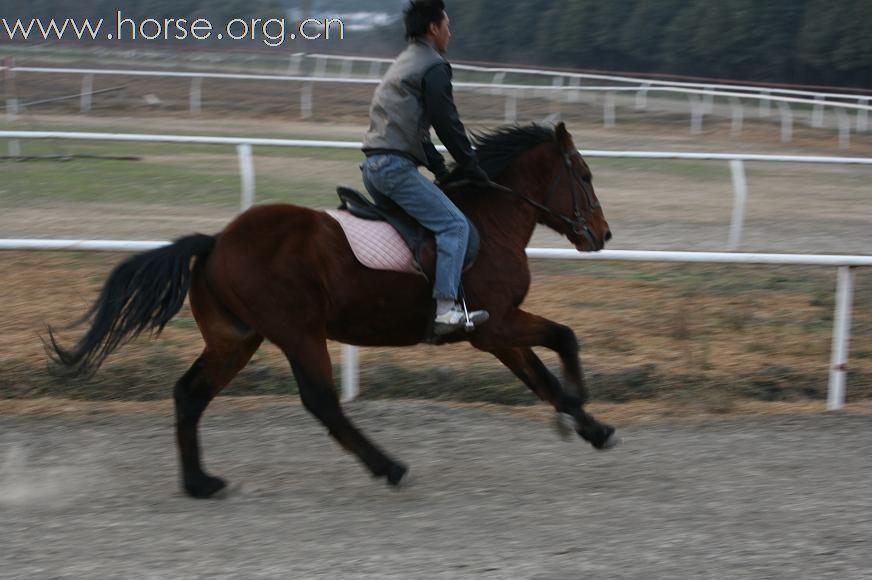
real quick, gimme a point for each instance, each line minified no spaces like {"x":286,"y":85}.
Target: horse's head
{"x":542,"y":166}
{"x":568,"y":202}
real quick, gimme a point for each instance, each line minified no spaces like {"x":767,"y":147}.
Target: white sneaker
{"x":455,"y":319}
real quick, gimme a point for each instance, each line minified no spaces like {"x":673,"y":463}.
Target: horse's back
{"x":273,"y":220}
{"x":271,"y":240}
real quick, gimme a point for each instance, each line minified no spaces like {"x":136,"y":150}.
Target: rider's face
{"x":440,"y":34}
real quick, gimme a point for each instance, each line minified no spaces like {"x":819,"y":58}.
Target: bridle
{"x":577,"y":222}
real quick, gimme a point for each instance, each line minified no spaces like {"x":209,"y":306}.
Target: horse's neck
{"x":502,"y":218}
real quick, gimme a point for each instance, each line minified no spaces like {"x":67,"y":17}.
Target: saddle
{"x":374,"y":247}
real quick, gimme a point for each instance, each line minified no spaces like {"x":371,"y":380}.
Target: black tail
{"x":142,"y":293}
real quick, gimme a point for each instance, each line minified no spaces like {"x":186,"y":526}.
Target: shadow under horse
{"x":287,"y":274}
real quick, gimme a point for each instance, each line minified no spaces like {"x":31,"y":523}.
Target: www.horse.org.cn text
{"x":272,"y":32}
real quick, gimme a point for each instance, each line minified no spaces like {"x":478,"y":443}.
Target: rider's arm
{"x":435,"y":162}
{"x":439,"y":103}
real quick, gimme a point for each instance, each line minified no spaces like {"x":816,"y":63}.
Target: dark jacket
{"x":414,"y":95}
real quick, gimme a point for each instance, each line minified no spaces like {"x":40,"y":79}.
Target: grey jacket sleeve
{"x":439,"y":104}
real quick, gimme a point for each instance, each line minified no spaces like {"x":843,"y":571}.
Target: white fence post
{"x":555,"y":95}
{"x":511,"y":114}
{"x":609,"y":110}
{"x":320,"y":66}
{"x":841,"y":338}
{"x":498,"y":80}
{"x":708,"y":101}
{"x":306,"y":101}
{"x":11,"y":109}
{"x":844,"y":129}
{"x":11,"y":101}
{"x":375,"y":69}
{"x":738,"y":115}
{"x":87,"y":91}
{"x":697,"y":109}
{"x":863,"y":116}
{"x":350,"y":380}
{"x":11,"y":91}
{"x":740,"y":196}
{"x":294,"y":63}
{"x":347,"y":66}
{"x":246,"y":174}
{"x":765,"y":105}
{"x":817,"y":115}
{"x":196,"y":97}
{"x":642,"y":97}
{"x":786,"y":122}
{"x":573,"y":96}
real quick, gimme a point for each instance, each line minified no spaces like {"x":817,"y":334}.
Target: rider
{"x":415,"y":94}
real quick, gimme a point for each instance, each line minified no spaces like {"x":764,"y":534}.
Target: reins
{"x":578,"y":223}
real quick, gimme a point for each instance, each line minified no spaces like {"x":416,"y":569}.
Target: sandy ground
{"x":491,"y":496}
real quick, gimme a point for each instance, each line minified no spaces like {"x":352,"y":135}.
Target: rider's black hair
{"x":420,"y":14}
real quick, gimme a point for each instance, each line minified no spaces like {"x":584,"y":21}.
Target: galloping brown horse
{"x":287,"y":274}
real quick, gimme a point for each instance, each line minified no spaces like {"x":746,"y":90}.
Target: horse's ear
{"x":562,"y":134}
{"x":551,"y":119}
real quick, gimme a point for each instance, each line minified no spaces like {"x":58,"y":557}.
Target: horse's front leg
{"x":528,"y":367}
{"x":510,"y":342}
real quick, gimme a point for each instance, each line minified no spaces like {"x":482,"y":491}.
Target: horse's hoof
{"x":231,"y":490}
{"x":206,"y":487}
{"x":608,"y":439}
{"x":395,"y":473}
{"x":565,"y":425}
{"x":612,"y":442}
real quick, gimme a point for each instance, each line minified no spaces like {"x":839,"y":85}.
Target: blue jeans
{"x":397,"y":178}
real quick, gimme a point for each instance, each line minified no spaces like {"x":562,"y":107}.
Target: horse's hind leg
{"x":211,"y":372}
{"x":229,"y":347}
{"x":528,"y":367}
{"x":310,"y":362}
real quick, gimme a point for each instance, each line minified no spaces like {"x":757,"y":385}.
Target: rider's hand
{"x":442,"y":177}
{"x":476,"y":173}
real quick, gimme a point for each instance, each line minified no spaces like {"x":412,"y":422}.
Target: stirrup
{"x":473,"y":318}
{"x":458,"y":318}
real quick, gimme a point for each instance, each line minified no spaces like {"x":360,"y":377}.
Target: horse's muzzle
{"x":594,"y":243}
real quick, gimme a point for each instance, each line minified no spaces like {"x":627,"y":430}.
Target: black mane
{"x":498,"y":148}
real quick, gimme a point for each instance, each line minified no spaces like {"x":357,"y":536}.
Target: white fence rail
{"x":700,"y":96}
{"x":246,"y":160}
{"x":350,"y":373}
{"x":500,"y":73}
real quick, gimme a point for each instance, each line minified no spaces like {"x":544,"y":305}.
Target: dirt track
{"x":491,"y":496}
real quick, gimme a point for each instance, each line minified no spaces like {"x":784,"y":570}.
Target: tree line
{"x":792,"y":41}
